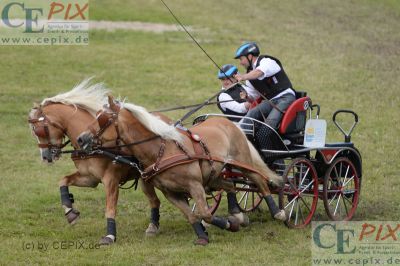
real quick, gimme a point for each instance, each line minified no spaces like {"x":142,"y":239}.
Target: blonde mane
{"x":153,"y":123}
{"x":84,"y":95}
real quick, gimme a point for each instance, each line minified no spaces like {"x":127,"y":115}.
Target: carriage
{"x":331,"y":172}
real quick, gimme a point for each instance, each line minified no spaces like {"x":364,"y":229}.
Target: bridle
{"x":40,"y":127}
{"x":105,"y":118}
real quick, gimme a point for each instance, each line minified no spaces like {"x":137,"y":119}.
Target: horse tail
{"x":263,"y":168}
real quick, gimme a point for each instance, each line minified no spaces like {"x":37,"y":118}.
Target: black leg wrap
{"x":71,"y":198}
{"x":155,"y":216}
{"x":111,"y":227}
{"x":65,"y":196}
{"x":219,"y":222}
{"x":200,"y":230}
{"x":232,"y":203}
{"x":271,"y":205}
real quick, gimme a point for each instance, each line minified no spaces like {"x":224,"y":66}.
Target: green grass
{"x":345,"y":54}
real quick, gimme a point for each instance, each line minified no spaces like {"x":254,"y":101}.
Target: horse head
{"x":49,"y":132}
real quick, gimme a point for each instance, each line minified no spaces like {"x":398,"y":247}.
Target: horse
{"x":67,"y":115}
{"x":188,"y":163}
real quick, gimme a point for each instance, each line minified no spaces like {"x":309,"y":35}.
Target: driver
{"x":266,"y":74}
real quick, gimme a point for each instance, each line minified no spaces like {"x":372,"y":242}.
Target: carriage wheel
{"x":213,"y":201}
{"x":248,"y":201}
{"x":299,"y":196}
{"x":341,"y":190}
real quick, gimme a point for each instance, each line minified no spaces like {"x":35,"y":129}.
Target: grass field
{"x":345,"y":54}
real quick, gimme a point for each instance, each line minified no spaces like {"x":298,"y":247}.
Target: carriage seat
{"x":294,"y":119}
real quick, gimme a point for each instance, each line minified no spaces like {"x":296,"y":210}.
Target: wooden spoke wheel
{"x":341,"y":189}
{"x":213,"y":201}
{"x":299,"y":195}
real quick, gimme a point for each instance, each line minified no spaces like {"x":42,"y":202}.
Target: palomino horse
{"x":173,"y":163}
{"x":69,"y":114}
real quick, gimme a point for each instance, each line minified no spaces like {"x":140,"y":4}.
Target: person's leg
{"x":275,"y":116}
{"x":257,"y":113}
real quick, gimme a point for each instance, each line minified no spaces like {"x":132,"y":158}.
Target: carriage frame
{"x":331,"y":173}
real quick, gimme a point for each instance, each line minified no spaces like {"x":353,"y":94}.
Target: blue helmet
{"x":246,"y":49}
{"x":227,"y":71}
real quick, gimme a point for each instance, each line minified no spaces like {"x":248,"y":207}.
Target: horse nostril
{"x":84,"y":142}
{"x":80,"y":141}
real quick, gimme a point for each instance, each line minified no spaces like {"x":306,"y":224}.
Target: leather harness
{"x":201,"y":152}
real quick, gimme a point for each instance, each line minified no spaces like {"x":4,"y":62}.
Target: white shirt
{"x":269,"y":68}
{"x":233,"y":105}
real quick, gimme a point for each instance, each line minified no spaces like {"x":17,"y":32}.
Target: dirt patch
{"x":133,"y":25}
{"x":111,"y":25}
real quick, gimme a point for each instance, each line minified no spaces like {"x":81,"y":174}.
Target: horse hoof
{"x":106,"y":241}
{"x":72,"y":216}
{"x":281,"y":216}
{"x":243,"y":219}
{"x":152,"y":230}
{"x":201,"y":242}
{"x":234,"y":224}
{"x":205,"y":224}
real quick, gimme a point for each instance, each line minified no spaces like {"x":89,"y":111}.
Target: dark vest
{"x":234,"y":92}
{"x":271,"y":86}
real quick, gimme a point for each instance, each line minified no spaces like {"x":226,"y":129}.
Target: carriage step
{"x":340,"y":144}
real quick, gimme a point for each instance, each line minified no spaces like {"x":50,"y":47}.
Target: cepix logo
{"x":369,"y":242}
{"x":37,"y":20}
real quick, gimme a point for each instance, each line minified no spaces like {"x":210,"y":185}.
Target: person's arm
{"x":254,"y":74}
{"x":233,"y":105}
{"x":269,"y":67}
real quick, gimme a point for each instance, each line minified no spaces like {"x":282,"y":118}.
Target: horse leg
{"x":67,"y":199}
{"x":233,"y":209}
{"x":264,"y":190}
{"x":154,"y":201}
{"x":111,"y":183}
{"x":198,"y":195}
{"x":180,"y":201}
{"x":233,"y":206}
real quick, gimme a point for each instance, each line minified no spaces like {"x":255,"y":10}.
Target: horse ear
{"x":111,"y":103}
{"x":110,"y":100}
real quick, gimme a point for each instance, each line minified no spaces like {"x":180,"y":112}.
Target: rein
{"x":182,"y":107}
{"x":132,"y":143}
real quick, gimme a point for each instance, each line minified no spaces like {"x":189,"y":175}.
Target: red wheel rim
{"x":341,"y":190}
{"x":299,"y":196}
